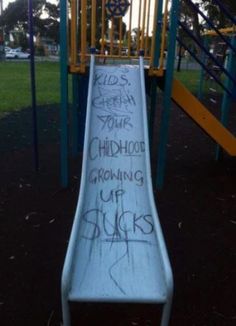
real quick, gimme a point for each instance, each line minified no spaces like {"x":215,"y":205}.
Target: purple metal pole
{"x":33,"y":88}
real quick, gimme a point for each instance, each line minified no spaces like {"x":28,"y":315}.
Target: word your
{"x":113,"y":148}
{"x":119,"y":225}
{"x":101,"y":175}
{"x":112,"y":122}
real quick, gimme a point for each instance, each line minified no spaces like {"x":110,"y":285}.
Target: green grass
{"x":190,"y":78}
{"x":15,"y":91}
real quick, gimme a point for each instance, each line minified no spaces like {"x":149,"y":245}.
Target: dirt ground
{"x":197,"y":210}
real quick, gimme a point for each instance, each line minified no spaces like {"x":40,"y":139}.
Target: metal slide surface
{"x":117,"y":251}
{"x":197,"y":111}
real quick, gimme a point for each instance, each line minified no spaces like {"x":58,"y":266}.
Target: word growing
{"x":114,"y":148}
{"x":98,"y":223}
{"x":101,"y":175}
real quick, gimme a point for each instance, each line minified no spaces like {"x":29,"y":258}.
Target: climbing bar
{"x":213,"y":90}
{"x":207,"y":52}
{"x":204,"y":66}
{"x":212,"y":100}
{"x":217,"y":31}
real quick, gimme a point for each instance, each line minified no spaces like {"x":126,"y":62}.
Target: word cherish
{"x":114,"y":148}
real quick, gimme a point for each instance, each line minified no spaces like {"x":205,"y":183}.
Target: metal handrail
{"x":204,"y":66}
{"x":207,"y":52}
{"x":195,"y":7}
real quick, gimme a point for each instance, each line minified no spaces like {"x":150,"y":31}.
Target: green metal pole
{"x":161,"y":160}
{"x":158,"y":34}
{"x":64,"y":93}
{"x":227,"y":100}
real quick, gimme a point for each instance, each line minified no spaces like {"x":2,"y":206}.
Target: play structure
{"x":117,"y":54}
{"x":115,"y":43}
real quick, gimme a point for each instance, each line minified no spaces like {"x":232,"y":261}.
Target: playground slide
{"x":116,"y":250}
{"x":197,"y":111}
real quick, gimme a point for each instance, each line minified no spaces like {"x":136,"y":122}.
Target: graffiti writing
{"x":111,"y":122}
{"x":98,"y":223}
{"x":102,"y":175}
{"x":114,"y":148}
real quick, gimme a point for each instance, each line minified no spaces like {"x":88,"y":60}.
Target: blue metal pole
{"x":161,"y":160}
{"x":33,"y":87}
{"x":64,"y":93}
{"x":227,"y":100}
{"x":153,"y":90}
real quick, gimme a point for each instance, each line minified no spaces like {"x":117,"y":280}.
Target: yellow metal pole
{"x":73,"y":43}
{"x":143,"y":24}
{"x":147,"y":36}
{"x":139,"y":19}
{"x":112,"y":36}
{"x":154,"y":33}
{"x":120,"y":35}
{"x":103,"y":25}
{"x":163,"y":38}
{"x":93,"y":32}
{"x":83,"y":31}
{"x":227,"y":30}
{"x":130,"y":27}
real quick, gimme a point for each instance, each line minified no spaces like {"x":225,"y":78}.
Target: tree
{"x":15,"y":18}
{"x":216,"y":15}
{"x":49,"y":27}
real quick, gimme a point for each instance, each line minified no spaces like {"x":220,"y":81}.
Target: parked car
{"x":7,"y":49}
{"x":17,"y":54}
